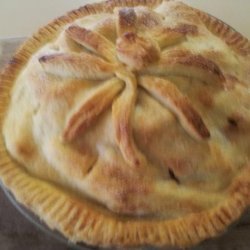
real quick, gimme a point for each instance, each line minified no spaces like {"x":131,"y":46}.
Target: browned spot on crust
{"x":147,"y":18}
{"x":136,"y":51}
{"x":126,"y":20}
{"x":205,"y":98}
{"x":125,"y":188}
{"x":130,"y":36}
{"x":24,"y":150}
{"x":201,"y":62}
{"x":81,"y":34}
{"x":194,"y":118}
{"x":186,"y":29}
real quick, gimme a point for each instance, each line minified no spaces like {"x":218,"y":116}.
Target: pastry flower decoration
{"x":139,"y":57}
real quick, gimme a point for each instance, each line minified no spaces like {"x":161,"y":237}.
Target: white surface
{"x":23,"y":17}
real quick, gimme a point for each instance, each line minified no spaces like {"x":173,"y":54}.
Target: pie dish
{"x":127,"y":123}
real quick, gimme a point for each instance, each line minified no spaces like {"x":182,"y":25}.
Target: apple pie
{"x":127,"y":123}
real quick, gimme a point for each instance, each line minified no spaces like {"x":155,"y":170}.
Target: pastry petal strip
{"x":98,"y":100}
{"x":136,"y":51}
{"x":122,"y":110}
{"x":167,"y":94}
{"x":184,"y":63}
{"x":93,"y":41}
{"x":166,"y":37}
{"x":126,"y":20}
{"x":74,"y":65}
{"x":147,"y":19}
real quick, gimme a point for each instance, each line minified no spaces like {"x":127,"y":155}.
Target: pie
{"x":127,"y":123}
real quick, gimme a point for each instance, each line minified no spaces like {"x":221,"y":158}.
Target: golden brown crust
{"x":167,"y":37}
{"x":91,"y":108}
{"x":186,"y":29}
{"x":92,"y":41}
{"x":186,"y":63}
{"x":135,"y":51}
{"x":77,"y":66}
{"x":84,"y":221}
{"x":169,"y":95}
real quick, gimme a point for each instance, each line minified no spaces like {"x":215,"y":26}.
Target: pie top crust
{"x":127,"y":123}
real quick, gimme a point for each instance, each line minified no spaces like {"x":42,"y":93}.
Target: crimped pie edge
{"x":80,"y":221}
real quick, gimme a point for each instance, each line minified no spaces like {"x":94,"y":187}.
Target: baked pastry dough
{"x":126,"y":123}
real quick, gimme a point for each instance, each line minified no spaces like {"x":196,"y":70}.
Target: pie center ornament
{"x":134,"y":124}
